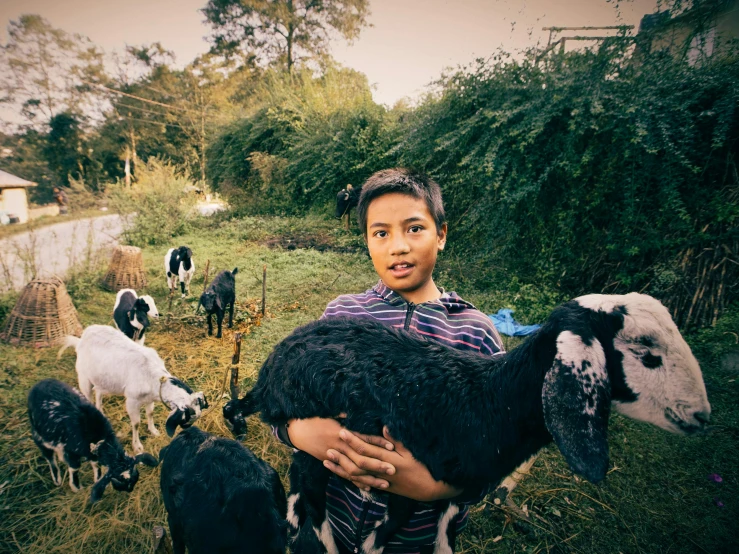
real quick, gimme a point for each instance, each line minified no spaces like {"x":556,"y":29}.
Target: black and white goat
{"x":180,"y":267}
{"x":65,"y":426}
{"x":113,"y":364}
{"x":220,"y":497}
{"x":219,"y":295}
{"x":131,"y":314}
{"x":473,"y":419}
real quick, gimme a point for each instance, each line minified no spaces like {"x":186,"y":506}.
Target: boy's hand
{"x":359,"y":455}
{"x":316,"y":436}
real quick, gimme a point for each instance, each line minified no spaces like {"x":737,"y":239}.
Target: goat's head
{"x":122,"y":472}
{"x":210,"y":301}
{"x":186,"y":408}
{"x":234,"y":418}
{"x":184,"y":253}
{"x":139,"y":314}
{"x":153,"y":312}
{"x":627,"y":351}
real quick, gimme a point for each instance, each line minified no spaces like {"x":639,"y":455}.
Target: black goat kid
{"x":65,"y":426}
{"x":220,"y":497}
{"x":219,"y":295}
{"x":472,"y":419}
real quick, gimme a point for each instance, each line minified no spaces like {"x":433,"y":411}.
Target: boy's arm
{"x":410,"y":477}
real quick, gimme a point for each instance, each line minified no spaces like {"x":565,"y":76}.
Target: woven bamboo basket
{"x":43,"y":314}
{"x":126,"y":270}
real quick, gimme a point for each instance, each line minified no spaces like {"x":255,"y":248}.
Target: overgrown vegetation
{"x":162,"y":201}
{"x":658,"y":496}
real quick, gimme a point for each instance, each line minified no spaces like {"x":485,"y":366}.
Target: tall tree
{"x":283,"y":30}
{"x":43,"y":70}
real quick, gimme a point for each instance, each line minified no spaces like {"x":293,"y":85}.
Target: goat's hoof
{"x":154,"y":432}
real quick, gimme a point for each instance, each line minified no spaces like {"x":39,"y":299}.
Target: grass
{"x":657,"y":497}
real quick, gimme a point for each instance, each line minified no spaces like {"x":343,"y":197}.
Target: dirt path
{"x":53,"y":249}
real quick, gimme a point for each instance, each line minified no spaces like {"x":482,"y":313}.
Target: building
{"x":705,"y":32}
{"x":13,"y":197}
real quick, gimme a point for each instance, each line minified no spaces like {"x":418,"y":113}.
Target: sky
{"x":409,"y":44}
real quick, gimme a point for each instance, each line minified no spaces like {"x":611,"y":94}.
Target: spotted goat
{"x":472,"y":419}
{"x":131,"y":314}
{"x":66,"y":426}
{"x":179,"y":267}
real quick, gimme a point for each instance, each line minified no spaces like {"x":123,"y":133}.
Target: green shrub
{"x":160,"y":200}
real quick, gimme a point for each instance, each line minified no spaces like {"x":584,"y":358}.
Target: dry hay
{"x":43,"y":314}
{"x":126,"y":270}
{"x":46,"y":518}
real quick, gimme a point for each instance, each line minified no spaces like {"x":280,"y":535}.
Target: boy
{"x":402,"y":219}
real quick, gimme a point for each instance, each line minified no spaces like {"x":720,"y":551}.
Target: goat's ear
{"x":99,"y":488}
{"x":577,"y":400}
{"x":95,"y":446}
{"x":146,"y":459}
{"x":176,"y":417}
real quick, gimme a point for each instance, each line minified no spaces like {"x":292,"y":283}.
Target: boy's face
{"x":403,"y":243}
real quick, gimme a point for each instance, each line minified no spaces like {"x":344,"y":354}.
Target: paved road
{"x":51,"y":250}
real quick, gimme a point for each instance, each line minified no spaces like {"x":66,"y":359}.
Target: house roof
{"x":9,"y":181}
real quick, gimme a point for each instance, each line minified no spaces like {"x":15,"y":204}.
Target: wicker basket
{"x":43,"y":314}
{"x":126,"y":270}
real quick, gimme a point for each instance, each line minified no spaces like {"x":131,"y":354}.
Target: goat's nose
{"x":702,"y":417}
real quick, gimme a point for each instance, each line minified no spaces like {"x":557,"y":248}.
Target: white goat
{"x":114,"y":364}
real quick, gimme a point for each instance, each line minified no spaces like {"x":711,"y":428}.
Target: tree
{"x":43,"y":70}
{"x":283,"y":30}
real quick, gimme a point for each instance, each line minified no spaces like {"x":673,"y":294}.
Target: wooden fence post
{"x":235,"y":367}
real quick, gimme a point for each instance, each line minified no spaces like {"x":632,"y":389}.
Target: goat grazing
{"x":347,"y":199}
{"x":220,"y":497}
{"x":65,"y":426}
{"x":113,"y":364}
{"x":180,"y":267}
{"x":472,"y":419}
{"x":131,"y":314}
{"x":217,"y":297}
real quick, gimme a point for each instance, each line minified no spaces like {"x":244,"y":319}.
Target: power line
{"x":119,"y":106}
{"x":141,"y":99}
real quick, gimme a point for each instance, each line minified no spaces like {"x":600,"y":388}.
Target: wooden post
{"x":235,"y":367}
{"x":162,"y":544}
{"x":264,"y":290}
{"x":205,"y":274}
{"x":171,"y":296}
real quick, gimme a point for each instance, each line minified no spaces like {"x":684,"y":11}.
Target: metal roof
{"x":9,"y":181}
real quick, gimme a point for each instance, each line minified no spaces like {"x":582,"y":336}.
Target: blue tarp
{"x":505,"y":324}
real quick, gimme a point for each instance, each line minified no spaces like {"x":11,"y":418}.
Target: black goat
{"x":220,"y":294}
{"x":473,"y":419}
{"x":220,"y":497}
{"x":347,"y":199}
{"x":65,"y":426}
{"x":131,"y":314}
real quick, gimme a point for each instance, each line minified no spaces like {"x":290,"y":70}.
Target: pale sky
{"x":409,"y":45}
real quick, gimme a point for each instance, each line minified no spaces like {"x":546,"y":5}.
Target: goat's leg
{"x":95,"y":471}
{"x":219,"y":316}
{"x":309,"y":479}
{"x":50,"y":457}
{"x":74,"y":463}
{"x":178,"y":536}
{"x":85,"y":386}
{"x":399,"y":511}
{"x":231,"y":315}
{"x":182,"y":288}
{"x":134,"y":412}
{"x":210,"y":325}
{"x":99,"y":399}
{"x":153,"y":431}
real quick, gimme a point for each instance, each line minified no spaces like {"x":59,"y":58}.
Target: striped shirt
{"x":448,"y":320}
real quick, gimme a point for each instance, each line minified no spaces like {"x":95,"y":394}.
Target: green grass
{"x":657,"y":497}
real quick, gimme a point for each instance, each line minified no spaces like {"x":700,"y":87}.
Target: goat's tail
{"x":66,"y":342}
{"x":235,"y":271}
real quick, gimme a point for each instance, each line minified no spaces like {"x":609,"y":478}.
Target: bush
{"x":159,"y":199}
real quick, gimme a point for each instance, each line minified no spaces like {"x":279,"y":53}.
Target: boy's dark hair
{"x":405,"y":181}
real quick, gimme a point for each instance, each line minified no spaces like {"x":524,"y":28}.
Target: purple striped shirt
{"x":448,"y":320}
